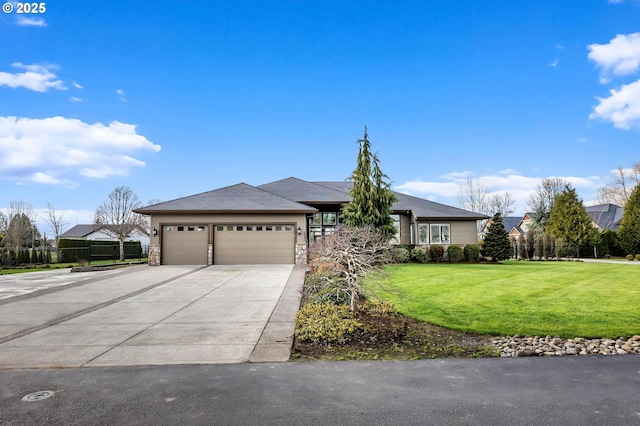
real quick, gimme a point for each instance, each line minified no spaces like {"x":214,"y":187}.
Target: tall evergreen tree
{"x":630,"y":226}
{"x":496,"y":243}
{"x":569,"y":220}
{"x":371,"y":196}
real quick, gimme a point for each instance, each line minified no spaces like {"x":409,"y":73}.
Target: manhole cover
{"x":37,"y":396}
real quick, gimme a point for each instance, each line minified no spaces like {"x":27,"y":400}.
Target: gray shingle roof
{"x":511,"y":222}
{"x":421,"y":208}
{"x":606,"y":216}
{"x":291,"y":195}
{"x":236,"y":198}
{"x":305,"y":192}
{"x":80,"y":231}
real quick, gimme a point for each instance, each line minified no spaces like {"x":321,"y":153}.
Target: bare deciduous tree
{"x":56,"y":222}
{"x":619,"y":189}
{"x":542,"y":201}
{"x":349,"y":254}
{"x":117,"y":217}
{"x":474,"y":196}
{"x":501,"y":203}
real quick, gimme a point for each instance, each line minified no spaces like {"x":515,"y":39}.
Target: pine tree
{"x":630,"y":226}
{"x":569,"y":220}
{"x":371,"y":196}
{"x":496,"y":242}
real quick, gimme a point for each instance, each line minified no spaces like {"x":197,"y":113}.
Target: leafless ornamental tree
{"x":55,"y":221}
{"x":542,"y":201}
{"x":116,"y":215}
{"x":619,"y":189}
{"x":474,"y":196}
{"x":348,"y":255}
{"x":501,"y":203}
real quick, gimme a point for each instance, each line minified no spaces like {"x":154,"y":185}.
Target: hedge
{"x":70,"y":250}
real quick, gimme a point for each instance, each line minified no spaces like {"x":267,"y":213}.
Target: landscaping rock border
{"x":516,"y":346}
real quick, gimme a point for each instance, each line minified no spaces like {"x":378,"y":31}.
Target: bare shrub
{"x":347,"y":256}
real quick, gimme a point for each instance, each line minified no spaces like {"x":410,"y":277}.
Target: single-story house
{"x":275,"y":223}
{"x":96,"y":233}
{"x":605,"y":216}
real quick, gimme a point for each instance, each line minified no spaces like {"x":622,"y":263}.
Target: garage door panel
{"x":184,"y":245}
{"x":254,"y":244}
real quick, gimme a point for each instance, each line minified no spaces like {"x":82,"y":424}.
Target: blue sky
{"x":176,"y":98}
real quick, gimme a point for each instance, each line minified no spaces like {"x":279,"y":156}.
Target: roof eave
{"x":243,"y":211}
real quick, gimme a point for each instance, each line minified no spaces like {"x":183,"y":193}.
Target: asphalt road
{"x":594,"y":390}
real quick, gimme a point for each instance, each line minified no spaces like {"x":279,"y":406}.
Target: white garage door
{"x":184,"y":244}
{"x":253,"y":244}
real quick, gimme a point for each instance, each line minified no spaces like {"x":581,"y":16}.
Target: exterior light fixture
{"x":299,"y":231}
{"x":155,"y":232}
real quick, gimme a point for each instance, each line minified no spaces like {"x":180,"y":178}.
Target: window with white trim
{"x":423,"y":233}
{"x":440,"y":233}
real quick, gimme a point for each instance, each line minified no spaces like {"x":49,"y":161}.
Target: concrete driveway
{"x":154,"y":316}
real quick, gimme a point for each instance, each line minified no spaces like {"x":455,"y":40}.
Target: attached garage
{"x":184,"y":244}
{"x":239,"y":244}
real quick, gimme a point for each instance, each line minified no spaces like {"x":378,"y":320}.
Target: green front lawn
{"x":567,"y":299}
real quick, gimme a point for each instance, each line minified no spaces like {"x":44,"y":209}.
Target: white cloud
{"x":621,"y":56}
{"x":77,"y":85}
{"x":554,"y":63}
{"x":30,"y":22}
{"x":120,"y":93}
{"x":75,"y":99}
{"x":36,"y":77}
{"x":56,"y":150}
{"x":520,"y":187}
{"x":622,"y":108}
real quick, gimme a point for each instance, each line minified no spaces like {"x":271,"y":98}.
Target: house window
{"x":168,"y":228}
{"x":180,"y":228}
{"x":288,"y":228}
{"x":396,"y":223}
{"x":259,"y":228}
{"x":191,"y":228}
{"x":278,"y":228}
{"x":329,"y":218}
{"x":238,"y":228}
{"x":219,"y":228}
{"x":423,"y":234}
{"x":412,"y":231}
{"x":230,"y":228}
{"x":249,"y":228}
{"x":316,"y":219}
{"x":269,"y":228}
{"x":200,"y":228}
{"x":440,"y":233}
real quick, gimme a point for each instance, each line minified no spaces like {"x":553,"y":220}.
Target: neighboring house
{"x":516,"y":226}
{"x":96,"y":233}
{"x":605,"y":216}
{"x":276,"y":222}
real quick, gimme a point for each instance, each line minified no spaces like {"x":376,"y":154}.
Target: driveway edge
{"x":276,"y":340}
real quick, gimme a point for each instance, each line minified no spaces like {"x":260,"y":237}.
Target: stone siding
{"x":154,"y":254}
{"x":301,"y":254}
